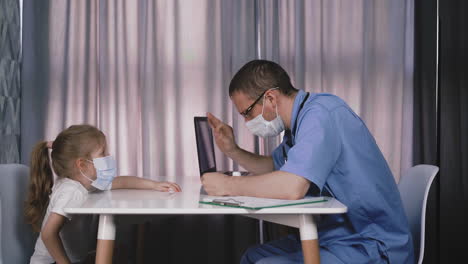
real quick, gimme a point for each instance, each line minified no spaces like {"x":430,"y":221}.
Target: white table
{"x":145,"y":202}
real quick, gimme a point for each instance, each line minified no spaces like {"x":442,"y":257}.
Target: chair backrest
{"x":414,"y":187}
{"x":16,"y":237}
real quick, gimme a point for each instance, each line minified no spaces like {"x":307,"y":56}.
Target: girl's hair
{"x":77,"y":141}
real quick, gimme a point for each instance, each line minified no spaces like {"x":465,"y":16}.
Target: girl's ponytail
{"x":40,"y":186}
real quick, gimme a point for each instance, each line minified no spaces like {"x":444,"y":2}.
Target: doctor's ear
{"x":271,"y":97}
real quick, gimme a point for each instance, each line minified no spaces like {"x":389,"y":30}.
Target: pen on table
{"x":222,"y":202}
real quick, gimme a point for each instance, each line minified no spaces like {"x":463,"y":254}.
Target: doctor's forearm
{"x":254,"y":163}
{"x":270,"y":185}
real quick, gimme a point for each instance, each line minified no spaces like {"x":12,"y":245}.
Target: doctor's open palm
{"x":223,"y":134}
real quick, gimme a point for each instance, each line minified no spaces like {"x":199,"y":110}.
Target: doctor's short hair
{"x":259,"y":75}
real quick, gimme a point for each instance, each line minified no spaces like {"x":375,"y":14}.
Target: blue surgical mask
{"x":263,"y":128}
{"x":106,"y":171}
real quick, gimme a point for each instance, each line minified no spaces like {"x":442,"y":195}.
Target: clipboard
{"x":255,"y":203}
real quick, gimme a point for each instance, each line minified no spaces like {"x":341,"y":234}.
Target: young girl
{"x":82,"y":164}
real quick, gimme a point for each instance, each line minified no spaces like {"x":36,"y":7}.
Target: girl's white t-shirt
{"x":76,"y":234}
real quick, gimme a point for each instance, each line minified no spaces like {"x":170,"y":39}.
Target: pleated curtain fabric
{"x":10,"y":52}
{"x":453,"y":130}
{"x":425,"y":132}
{"x":441,"y":123}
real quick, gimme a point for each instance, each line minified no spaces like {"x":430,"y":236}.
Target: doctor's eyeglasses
{"x":247,"y":111}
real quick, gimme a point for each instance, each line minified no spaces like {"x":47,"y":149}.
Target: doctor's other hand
{"x":223,"y":134}
{"x":216,"y":183}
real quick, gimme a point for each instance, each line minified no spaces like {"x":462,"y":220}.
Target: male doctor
{"x":327,"y":150}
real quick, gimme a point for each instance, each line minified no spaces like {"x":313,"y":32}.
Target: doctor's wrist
{"x":230,"y":186}
{"x":232,"y":153}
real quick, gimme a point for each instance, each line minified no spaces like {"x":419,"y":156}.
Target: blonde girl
{"x":81,"y":161}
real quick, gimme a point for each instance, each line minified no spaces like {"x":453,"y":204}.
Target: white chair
{"x":16,"y":237}
{"x":414,"y":187}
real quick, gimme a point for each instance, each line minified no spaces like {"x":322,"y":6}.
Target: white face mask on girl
{"x":263,"y":128}
{"x":106,"y":171}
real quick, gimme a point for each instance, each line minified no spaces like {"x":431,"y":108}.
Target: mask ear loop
{"x":83,"y":173}
{"x":276,"y":107}
{"x":263,"y":105}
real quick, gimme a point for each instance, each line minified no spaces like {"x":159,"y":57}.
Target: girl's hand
{"x":167,"y":187}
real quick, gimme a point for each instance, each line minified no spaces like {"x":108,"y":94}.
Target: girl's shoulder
{"x":66,"y":193}
{"x":66,"y":182}
{"x":67,"y":187}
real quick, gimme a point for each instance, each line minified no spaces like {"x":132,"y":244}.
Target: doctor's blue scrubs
{"x":333,"y":149}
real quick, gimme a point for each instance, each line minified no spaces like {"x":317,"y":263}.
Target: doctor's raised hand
{"x":223,"y":134}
